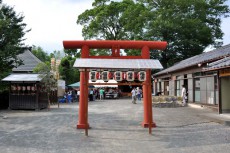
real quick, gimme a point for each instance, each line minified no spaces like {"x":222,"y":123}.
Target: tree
{"x":111,"y":20}
{"x":48,"y":79}
{"x":12,"y":31}
{"x":67,"y":71}
{"x":40,"y":53}
{"x":188,"y":26}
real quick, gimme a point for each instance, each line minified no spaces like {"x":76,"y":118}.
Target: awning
{"x":77,"y":85}
{"x":117,"y":63}
{"x":23,"y":77}
{"x":104,"y":85}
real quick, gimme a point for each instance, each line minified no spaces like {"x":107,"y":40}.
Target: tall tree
{"x":12,"y":31}
{"x":111,"y":20}
{"x":188,"y":26}
{"x":40,"y":54}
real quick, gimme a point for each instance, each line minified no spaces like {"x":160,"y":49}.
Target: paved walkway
{"x":115,"y":129}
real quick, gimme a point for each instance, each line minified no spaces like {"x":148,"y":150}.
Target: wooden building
{"x":202,"y":86}
{"x":223,"y":68}
{"x":26,"y":90}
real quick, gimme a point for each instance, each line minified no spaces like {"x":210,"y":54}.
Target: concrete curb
{"x":217,"y":118}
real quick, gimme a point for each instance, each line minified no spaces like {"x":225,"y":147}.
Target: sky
{"x":52,"y":21}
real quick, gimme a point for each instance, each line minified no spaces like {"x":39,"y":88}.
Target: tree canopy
{"x":40,"y":54}
{"x":12,"y":31}
{"x":67,"y":71}
{"x":111,"y":20}
{"x":188,"y":26}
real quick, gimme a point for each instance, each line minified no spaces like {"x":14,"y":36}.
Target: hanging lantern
{"x":105,"y":76}
{"x":97,"y":75}
{"x":123,"y":75}
{"x":118,"y":76}
{"x":92,"y":76}
{"x":28,"y":88}
{"x":13,"y":87}
{"x":111,"y":74}
{"x":141,"y":76}
{"x":130,"y":76}
{"x":19,"y":88}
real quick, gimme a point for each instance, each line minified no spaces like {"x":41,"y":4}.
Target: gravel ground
{"x":116,"y":128}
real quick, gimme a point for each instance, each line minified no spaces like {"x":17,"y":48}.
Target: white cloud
{"x":51,"y":21}
{"x":225,"y":27}
{"x":226,"y":30}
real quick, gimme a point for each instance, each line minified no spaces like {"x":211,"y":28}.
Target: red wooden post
{"x":147,"y":99}
{"x":83,"y":102}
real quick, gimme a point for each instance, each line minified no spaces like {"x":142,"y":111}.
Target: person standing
{"x":183,"y":95}
{"x":138,"y":94}
{"x":66,"y":96}
{"x":69,"y":96}
{"x":73,"y":95}
{"x":91,"y":95}
{"x":133,"y":92}
{"x":78,"y":95}
{"x":101,"y":91}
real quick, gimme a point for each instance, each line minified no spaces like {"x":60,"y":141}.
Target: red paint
{"x":119,"y":57}
{"x":83,"y":102}
{"x":111,"y":75}
{"x":121,"y":44}
{"x":123,"y":76}
{"x":97,"y":75}
{"x":147,"y":94}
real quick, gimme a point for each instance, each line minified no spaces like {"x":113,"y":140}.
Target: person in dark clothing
{"x":91,"y":95}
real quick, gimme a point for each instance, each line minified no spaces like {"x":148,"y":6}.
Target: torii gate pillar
{"x":147,"y":93}
{"x":83,"y":102}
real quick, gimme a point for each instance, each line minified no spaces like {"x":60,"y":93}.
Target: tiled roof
{"x":225,"y":62}
{"x":117,"y":63}
{"x":199,"y":59}
{"x":29,"y":62}
{"x":24,"y":77}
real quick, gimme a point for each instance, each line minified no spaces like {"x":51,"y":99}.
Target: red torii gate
{"x":115,"y":45}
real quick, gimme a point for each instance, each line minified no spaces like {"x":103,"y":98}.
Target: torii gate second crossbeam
{"x":92,"y":62}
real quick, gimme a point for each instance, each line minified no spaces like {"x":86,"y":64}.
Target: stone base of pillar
{"x":146,"y":125}
{"x":83,"y":126}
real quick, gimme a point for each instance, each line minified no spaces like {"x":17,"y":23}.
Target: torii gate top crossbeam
{"x":122,"y":44}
